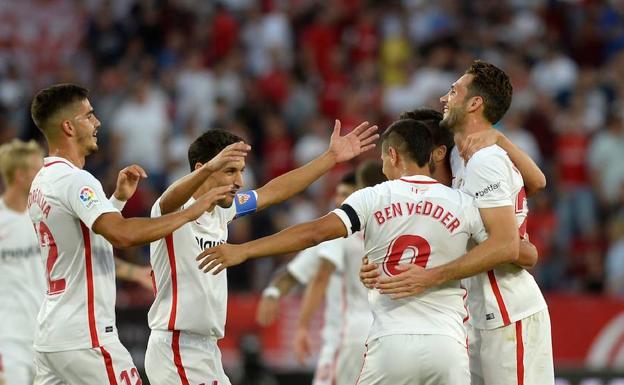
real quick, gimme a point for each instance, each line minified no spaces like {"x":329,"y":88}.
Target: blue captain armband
{"x":246,"y":203}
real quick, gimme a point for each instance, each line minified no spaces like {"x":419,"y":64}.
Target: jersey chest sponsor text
{"x":207,"y":243}
{"x":10,"y":254}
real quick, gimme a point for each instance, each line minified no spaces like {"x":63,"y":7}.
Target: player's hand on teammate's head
{"x":413,"y":280}
{"x":207,"y":201}
{"x":347,"y":147}
{"x":302,"y":344}
{"x":268,"y":310}
{"x":233,"y":153}
{"x":218,"y":258}
{"x":127,"y":182}
{"x":476,"y":141}
{"x":369,"y":273}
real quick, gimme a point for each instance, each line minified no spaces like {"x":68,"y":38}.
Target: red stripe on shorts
{"x":108,"y":361}
{"x":499,"y":298}
{"x":519,"y":353}
{"x":90,"y":289}
{"x":363,"y":362}
{"x":174,"y":281}
{"x":177,"y":357}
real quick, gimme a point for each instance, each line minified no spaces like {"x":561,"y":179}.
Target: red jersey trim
{"x":499,"y":298}
{"x":108,"y":362}
{"x":519,"y":353}
{"x":177,"y":357}
{"x":90,"y":289}
{"x":57,"y":161}
{"x":420,"y":181}
{"x":174,"y":281}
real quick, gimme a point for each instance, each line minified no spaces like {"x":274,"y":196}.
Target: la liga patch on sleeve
{"x":88,"y":197}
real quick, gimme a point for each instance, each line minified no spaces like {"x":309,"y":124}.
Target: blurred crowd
{"x":278,"y":72}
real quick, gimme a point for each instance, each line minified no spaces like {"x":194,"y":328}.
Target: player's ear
{"x":394,"y":155}
{"x":438,"y":153}
{"x":67,"y":127}
{"x":198,"y":165}
{"x":475,"y":103}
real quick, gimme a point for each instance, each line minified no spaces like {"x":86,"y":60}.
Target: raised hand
{"x":207,"y":201}
{"x":220,"y":257}
{"x":232,"y":153}
{"x":127,"y":182}
{"x":359,"y":140}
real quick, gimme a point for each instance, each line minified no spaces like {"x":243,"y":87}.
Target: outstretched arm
{"x":341,"y":149}
{"x":312,"y":299}
{"x":534,"y":178}
{"x":292,"y":239}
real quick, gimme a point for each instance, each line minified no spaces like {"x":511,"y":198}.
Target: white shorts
{"x":183,"y":358}
{"x":517,"y":354}
{"x":325,"y":367}
{"x":17,"y":362}
{"x":349,"y":362}
{"x":106,"y":365}
{"x":415,"y":359}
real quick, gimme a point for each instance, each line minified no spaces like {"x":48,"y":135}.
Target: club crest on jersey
{"x":243,"y":198}
{"x":88,"y":197}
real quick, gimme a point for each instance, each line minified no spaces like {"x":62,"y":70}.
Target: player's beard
{"x":454,"y":119}
{"x":89,"y":144}
{"x":225,"y":202}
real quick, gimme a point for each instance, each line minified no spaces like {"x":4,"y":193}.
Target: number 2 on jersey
{"x":134,"y":373}
{"x":414,"y":244}
{"x":47,"y":240}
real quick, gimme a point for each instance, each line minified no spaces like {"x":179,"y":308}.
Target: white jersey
{"x":304,"y":267}
{"x":416,"y":220}
{"x":79,"y":309}
{"x":346,"y":254}
{"x":507,"y":293}
{"x":187,"y":299}
{"x":22,"y":278}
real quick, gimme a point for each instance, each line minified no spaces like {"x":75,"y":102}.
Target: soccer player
{"x":303,"y":269}
{"x":76,"y":340}
{"x":188,"y":315}
{"x":510,"y":339}
{"x":22,"y":275}
{"x":411,"y":219}
{"x":342,"y":256}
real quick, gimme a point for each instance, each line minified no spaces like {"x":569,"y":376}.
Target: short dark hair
{"x":432,"y":118}
{"x":370,"y":173}
{"x":411,"y":138}
{"x":49,"y":101}
{"x":494,"y":86}
{"x":208,"y":145}
{"x":348,"y":178}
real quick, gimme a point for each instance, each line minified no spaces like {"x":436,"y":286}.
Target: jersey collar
{"x":419,"y":179}
{"x":52,"y":160}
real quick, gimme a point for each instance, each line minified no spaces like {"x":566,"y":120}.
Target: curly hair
{"x":493,"y":85}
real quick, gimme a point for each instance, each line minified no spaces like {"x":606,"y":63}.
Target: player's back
{"x":416,"y":220}
{"x":79,"y":309}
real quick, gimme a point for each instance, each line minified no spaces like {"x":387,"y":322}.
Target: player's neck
{"x":71,"y":153}
{"x":473,"y":126}
{"x":412,"y":169}
{"x":15,"y":199}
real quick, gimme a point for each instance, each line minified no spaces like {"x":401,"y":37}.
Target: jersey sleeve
{"x":487,"y":182}
{"x":304,"y":266}
{"x":86,"y":198}
{"x":476,"y":226}
{"x":333,"y":251}
{"x":355,"y":210}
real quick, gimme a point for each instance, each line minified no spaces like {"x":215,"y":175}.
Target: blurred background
{"x":278,"y":72}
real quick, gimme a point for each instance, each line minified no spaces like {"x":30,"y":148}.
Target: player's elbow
{"x":121,"y":240}
{"x":538,"y":185}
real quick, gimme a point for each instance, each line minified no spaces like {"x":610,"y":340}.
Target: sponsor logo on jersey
{"x":88,"y":197}
{"x":489,"y":316}
{"x":487,"y":190}
{"x":242,"y":198}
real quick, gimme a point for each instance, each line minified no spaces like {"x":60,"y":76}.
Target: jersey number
{"x":134,"y":373}
{"x":416,"y":245}
{"x":47,"y":240}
